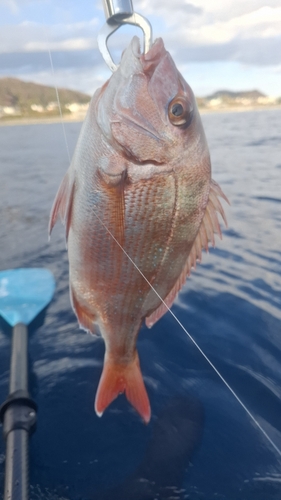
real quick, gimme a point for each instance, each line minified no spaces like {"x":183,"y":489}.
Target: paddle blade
{"x":24,"y":293}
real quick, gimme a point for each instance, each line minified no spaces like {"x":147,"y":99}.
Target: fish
{"x":139,"y":204}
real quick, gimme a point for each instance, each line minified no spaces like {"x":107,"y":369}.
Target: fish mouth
{"x":152,"y":58}
{"x":149,"y":62}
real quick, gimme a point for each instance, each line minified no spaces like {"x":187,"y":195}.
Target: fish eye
{"x":177,"y":109}
{"x":180,"y":111}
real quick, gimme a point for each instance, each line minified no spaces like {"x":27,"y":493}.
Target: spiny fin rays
{"x":209,"y":227}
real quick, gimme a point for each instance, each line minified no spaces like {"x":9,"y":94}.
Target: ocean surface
{"x":200,"y":443}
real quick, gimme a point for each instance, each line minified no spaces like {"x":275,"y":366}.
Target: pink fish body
{"x":139,"y":204}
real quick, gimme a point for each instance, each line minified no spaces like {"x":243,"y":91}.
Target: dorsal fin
{"x":208,"y":228}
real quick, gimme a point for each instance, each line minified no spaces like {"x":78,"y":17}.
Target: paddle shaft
{"x":24,"y":294}
{"x":19,"y":360}
{"x":16,"y":464}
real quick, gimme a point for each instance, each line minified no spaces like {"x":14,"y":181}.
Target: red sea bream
{"x":139,"y":204}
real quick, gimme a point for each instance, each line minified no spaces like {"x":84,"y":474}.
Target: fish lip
{"x":136,"y":47}
{"x":153,"y":57}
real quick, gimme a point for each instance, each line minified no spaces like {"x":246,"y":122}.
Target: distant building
{"x":75,"y":107}
{"x":245,"y":101}
{"x":37,"y":107}
{"x":9,"y":111}
{"x":52,"y":106}
{"x":214,"y":103}
{"x":267,"y":100}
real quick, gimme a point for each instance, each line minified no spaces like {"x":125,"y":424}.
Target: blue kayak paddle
{"x":24,"y":293}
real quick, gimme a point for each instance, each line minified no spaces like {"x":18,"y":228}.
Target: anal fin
{"x":86,"y":318}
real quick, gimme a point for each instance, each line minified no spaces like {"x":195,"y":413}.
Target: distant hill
{"x":22,"y":95}
{"x":227,"y":99}
{"x":248,"y":94}
{"x":19,"y":99}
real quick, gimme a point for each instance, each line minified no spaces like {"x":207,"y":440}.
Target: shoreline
{"x":80,"y":118}
{"x":41,"y":121}
{"x":238,"y":109}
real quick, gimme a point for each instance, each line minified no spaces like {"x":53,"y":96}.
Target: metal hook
{"x":117,"y":13}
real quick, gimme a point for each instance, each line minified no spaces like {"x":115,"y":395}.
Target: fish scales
{"x":179,"y":240}
{"x":139,"y":204}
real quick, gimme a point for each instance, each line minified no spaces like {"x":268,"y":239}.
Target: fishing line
{"x":59,"y":105}
{"x":194,"y":342}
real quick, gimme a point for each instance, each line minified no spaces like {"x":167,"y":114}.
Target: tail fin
{"x":117,"y":378}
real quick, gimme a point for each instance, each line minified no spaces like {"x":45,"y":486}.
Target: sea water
{"x":200,"y":443}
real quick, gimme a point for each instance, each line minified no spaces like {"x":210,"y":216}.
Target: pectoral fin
{"x":63,"y":205}
{"x":113,"y":216}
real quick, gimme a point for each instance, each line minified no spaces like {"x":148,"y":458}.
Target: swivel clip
{"x":118,"y":13}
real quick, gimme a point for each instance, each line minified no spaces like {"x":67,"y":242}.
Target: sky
{"x":218,"y":44}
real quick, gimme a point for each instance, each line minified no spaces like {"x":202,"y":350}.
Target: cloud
{"x":83,"y":80}
{"x":31,"y":37}
{"x":255,"y":52}
{"x":196,"y":31}
{"x":264,"y":23}
{"x":251,"y":38}
{"x":167,"y":7}
{"x":15,"y":5}
{"x":210,"y":12}
{"x":11,"y":4}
